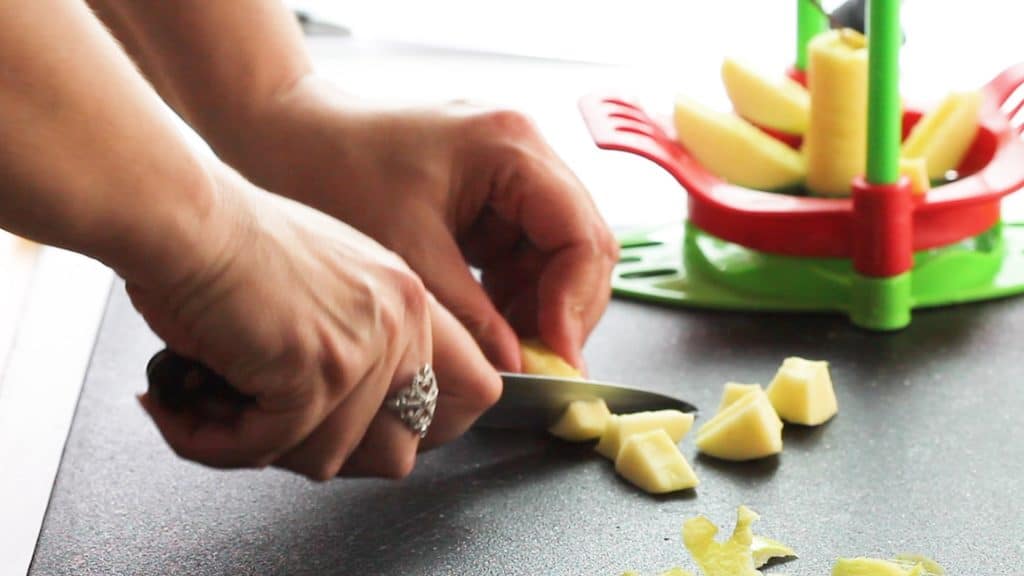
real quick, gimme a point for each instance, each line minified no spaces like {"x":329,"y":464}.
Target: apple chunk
{"x":582,"y":420}
{"x":802,"y":392}
{"x":747,"y":429}
{"x":620,"y":427}
{"x":652,"y":462}
{"x":733,"y":391}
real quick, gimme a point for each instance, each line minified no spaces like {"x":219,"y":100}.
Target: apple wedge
{"x":539,"y":359}
{"x":943,"y":136}
{"x":733,"y":391}
{"x":718,"y":140}
{"x":778,"y":103}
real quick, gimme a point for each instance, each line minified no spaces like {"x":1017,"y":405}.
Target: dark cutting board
{"x":926,"y":455}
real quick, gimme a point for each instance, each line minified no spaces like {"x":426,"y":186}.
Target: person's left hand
{"x":446,"y":188}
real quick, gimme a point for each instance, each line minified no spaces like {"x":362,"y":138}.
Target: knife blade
{"x":528,"y":402}
{"x":531,"y":402}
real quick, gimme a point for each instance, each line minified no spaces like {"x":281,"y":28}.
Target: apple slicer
{"x":874,"y":256}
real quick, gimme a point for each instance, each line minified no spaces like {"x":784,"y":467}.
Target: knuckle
{"x":489,"y":392}
{"x":509,"y":122}
{"x":323,"y":472}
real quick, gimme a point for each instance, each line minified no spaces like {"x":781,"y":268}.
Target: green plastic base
{"x":682,"y":265}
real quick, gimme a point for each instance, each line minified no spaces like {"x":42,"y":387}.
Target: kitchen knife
{"x":528,"y":402}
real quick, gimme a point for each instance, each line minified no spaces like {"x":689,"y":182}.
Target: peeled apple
{"x":539,"y":359}
{"x":780,"y":103}
{"x":836,"y":140}
{"x":582,"y":420}
{"x":943,"y":136}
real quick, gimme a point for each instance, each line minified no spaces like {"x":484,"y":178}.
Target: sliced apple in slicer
{"x":943,"y":136}
{"x":736,"y":150}
{"x":778,"y":103}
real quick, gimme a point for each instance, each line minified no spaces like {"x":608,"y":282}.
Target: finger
{"x":490,"y":239}
{"x":322,"y":454}
{"x":468,"y":384}
{"x":560,"y":220}
{"x":360,"y":437}
{"x":253,"y":438}
{"x":446,"y":274}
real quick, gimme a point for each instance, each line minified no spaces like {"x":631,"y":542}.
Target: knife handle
{"x":180,"y":384}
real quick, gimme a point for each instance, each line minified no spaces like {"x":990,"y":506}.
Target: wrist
{"x":171,"y":227}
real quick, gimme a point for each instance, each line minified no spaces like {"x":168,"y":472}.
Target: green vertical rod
{"x":884,"y":110}
{"x":810,"y":21}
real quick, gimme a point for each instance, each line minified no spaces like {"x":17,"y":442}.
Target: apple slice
{"x":733,"y":391}
{"x":539,"y":359}
{"x":916,"y":169}
{"x":779,"y":103}
{"x":802,"y":392}
{"x":582,"y":420}
{"x":943,"y":136}
{"x":735,"y":149}
{"x":652,"y":462}
{"x":622,"y":426}
{"x":747,"y":429}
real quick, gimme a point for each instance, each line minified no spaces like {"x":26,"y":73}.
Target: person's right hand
{"x":319,"y":324}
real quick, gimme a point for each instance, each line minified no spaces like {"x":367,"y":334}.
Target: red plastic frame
{"x":823,"y":227}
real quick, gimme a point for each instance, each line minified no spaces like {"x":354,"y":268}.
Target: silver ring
{"x":415,"y":403}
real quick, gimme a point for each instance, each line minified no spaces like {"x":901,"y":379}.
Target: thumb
{"x":446,"y":274}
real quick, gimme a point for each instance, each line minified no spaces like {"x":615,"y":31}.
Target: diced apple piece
{"x":729,"y":558}
{"x":867,"y":567}
{"x":802,"y":392}
{"x":733,"y":391}
{"x":764,"y":549}
{"x":780,"y":103}
{"x":944,"y":135}
{"x":539,"y":359}
{"x":582,"y":420}
{"x":916,"y":170}
{"x":735,"y":149}
{"x":747,"y":429}
{"x":652,"y":462}
{"x":622,"y":426}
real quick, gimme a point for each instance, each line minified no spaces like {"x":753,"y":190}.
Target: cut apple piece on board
{"x":733,"y":391}
{"x":779,"y":103}
{"x":652,"y":462}
{"x":717,"y":139}
{"x":802,"y":392}
{"x":541,"y":360}
{"x":747,"y":429}
{"x":943,"y":136}
{"x":582,"y":420}
{"x":622,"y":426}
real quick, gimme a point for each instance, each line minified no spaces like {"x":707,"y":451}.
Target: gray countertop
{"x":925,"y":456}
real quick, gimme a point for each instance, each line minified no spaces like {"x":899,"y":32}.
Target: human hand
{"x":446,"y":188}
{"x":318,"y":324}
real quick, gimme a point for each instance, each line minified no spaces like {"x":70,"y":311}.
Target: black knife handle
{"x":180,"y":384}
